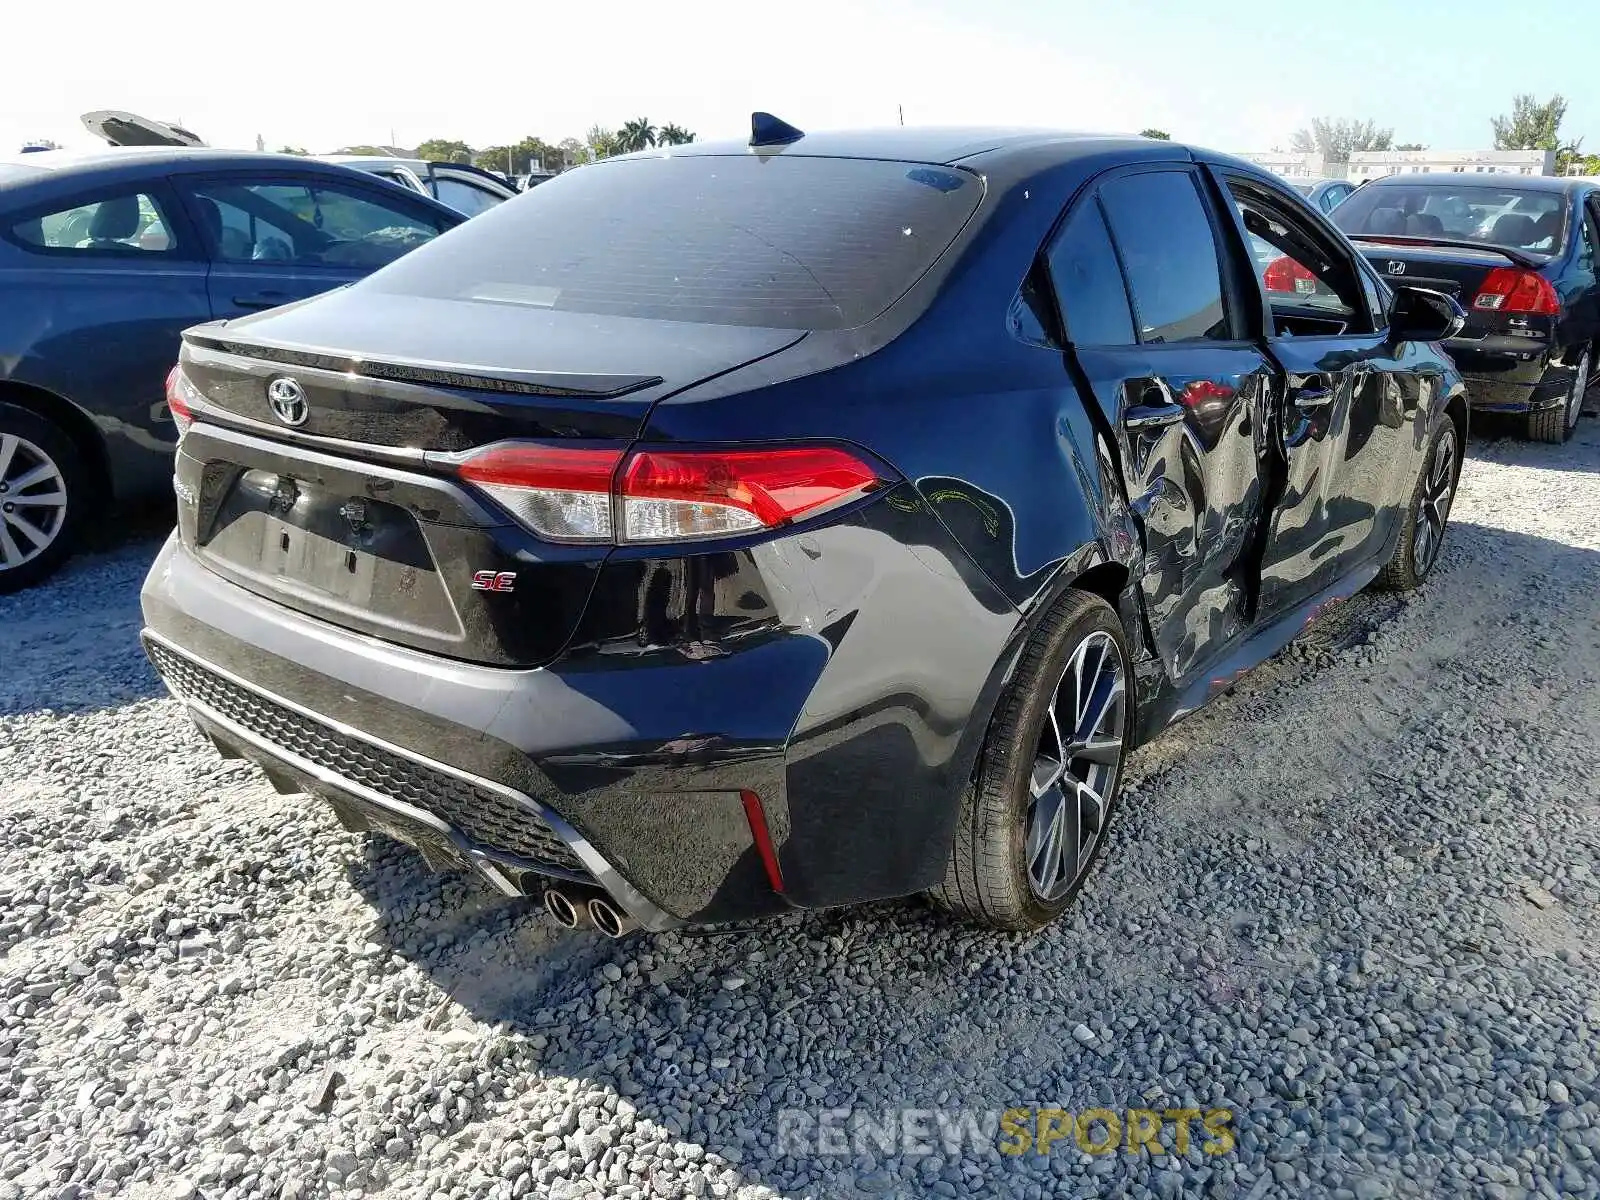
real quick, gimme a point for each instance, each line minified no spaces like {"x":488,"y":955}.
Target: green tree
{"x":1340,"y":138}
{"x":445,"y":150}
{"x":1586,"y":164}
{"x":1530,"y":125}
{"x":530,"y":154}
{"x":602,"y":142}
{"x":1410,"y":146}
{"x":1534,"y":126}
{"x":299,"y":151}
{"x":637,"y":134}
{"x":573,"y":152}
{"x":1160,"y":135}
{"x":673,"y":135}
{"x":365,"y":151}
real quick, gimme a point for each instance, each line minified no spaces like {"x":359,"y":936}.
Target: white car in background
{"x":469,"y":190}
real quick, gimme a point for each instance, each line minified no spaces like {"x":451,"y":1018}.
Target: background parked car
{"x":105,"y":258}
{"x":1521,"y":257}
{"x":1325,"y":194}
{"x":468,"y":190}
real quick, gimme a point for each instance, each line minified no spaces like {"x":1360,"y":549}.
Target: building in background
{"x":1292,"y":164}
{"x":1374,"y":164}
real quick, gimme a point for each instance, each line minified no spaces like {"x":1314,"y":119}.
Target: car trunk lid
{"x":341,"y":500}
{"x":1459,"y":270}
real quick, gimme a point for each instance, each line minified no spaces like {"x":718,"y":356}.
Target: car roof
{"x":1497,"y":179}
{"x":929,"y":144}
{"x":373,"y":162}
{"x":112,"y":163}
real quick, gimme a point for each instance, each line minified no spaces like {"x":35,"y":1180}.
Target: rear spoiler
{"x":469,"y":378}
{"x":1519,"y":257}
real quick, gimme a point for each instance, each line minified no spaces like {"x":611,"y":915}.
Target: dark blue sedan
{"x":105,"y":258}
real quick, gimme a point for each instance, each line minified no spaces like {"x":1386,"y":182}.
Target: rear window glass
{"x":781,"y":241}
{"x":1521,"y":218}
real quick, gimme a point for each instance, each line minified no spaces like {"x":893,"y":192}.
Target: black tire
{"x":33,"y":442}
{"x":988,"y":879}
{"x":1556,"y":425}
{"x":1414,"y":559}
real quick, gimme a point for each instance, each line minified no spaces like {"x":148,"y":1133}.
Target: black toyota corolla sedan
{"x":1519,"y":253}
{"x":770,"y":526}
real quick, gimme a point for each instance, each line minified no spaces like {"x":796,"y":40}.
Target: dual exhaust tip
{"x":576,"y":910}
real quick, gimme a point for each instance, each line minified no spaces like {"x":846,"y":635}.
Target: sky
{"x":1237,"y":75}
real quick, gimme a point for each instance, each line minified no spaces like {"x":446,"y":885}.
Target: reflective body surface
{"x":1217,"y":477}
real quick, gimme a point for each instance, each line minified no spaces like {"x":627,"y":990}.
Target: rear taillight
{"x":179,"y":389}
{"x":1286,"y":275}
{"x":562,"y":493}
{"x":1517,"y":290}
{"x":671,"y":495}
{"x":665,"y":494}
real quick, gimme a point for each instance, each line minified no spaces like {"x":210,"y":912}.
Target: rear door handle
{"x":262,"y":299}
{"x":1152,"y":416}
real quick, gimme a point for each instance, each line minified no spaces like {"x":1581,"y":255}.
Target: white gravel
{"x":1353,"y":901}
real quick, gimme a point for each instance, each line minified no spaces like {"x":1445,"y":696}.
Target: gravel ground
{"x":1353,"y":901}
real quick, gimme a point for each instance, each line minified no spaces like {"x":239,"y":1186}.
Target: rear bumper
{"x":848,"y":714}
{"x":1509,"y":385}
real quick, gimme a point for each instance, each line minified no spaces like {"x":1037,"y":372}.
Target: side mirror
{"x":1424,"y":315}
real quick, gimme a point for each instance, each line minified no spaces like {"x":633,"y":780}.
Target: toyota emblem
{"x":288,"y":400}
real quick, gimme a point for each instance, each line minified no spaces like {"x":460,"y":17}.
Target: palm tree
{"x":637,"y":134}
{"x":673,"y":135}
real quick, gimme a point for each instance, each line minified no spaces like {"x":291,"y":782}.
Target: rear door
{"x":1580,"y":289}
{"x":112,"y":276}
{"x":1345,"y":426}
{"x":1152,"y":320}
{"x":275,"y":238}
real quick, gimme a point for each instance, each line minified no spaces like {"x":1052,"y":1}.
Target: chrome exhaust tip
{"x":563,"y":911}
{"x":610,"y":920}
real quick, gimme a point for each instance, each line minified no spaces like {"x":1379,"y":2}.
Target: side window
{"x":1170,"y":255}
{"x":130,"y":224}
{"x":1088,"y":282}
{"x":1299,"y":268}
{"x":1587,"y":240}
{"x":306,"y":224}
{"x":464,"y":197}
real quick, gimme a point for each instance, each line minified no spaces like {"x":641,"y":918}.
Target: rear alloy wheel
{"x":1422,"y":533}
{"x":41,"y":475}
{"x":1557,"y":424}
{"x":1036,"y":814}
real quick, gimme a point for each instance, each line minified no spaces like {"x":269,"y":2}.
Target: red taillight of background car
{"x":665,"y":494}
{"x":1517,"y":290}
{"x":178,"y":387}
{"x":1286,"y":275}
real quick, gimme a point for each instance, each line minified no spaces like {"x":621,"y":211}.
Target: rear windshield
{"x":779,"y":241}
{"x":1523,"y":219}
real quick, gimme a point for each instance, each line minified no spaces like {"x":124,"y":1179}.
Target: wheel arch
{"x":71,"y":420}
{"x":1455,"y":409}
{"x":1089,"y":571}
